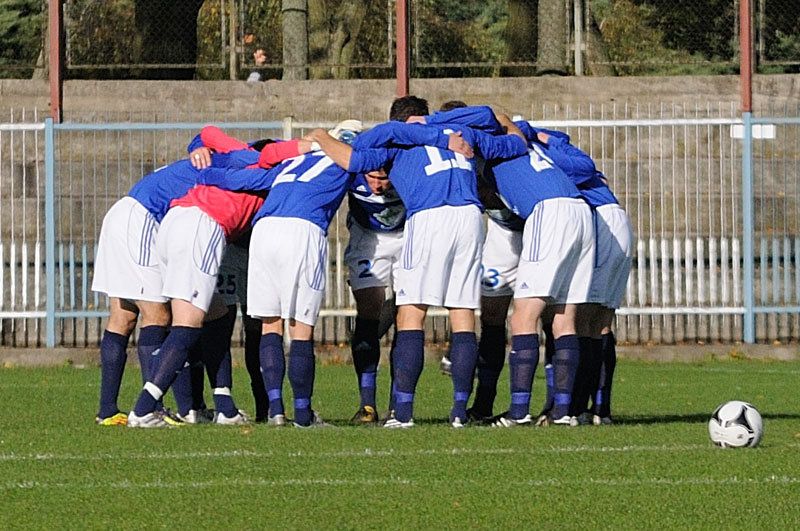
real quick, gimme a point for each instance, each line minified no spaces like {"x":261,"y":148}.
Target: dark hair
{"x":258,"y":145}
{"x":452,"y":104}
{"x":403,"y":108}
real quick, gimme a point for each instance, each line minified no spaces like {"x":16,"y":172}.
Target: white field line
{"x":391,"y":481}
{"x":363,"y":453}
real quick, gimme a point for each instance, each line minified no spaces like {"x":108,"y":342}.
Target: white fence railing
{"x":679,"y":178}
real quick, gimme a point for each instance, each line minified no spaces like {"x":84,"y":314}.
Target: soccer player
{"x":375,"y":220}
{"x":614,"y":239}
{"x":190,"y":245}
{"x":126,"y":269}
{"x":440,"y":267}
{"x":553,"y":274}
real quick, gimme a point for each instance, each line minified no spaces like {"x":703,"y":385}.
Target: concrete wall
{"x":370,"y":99}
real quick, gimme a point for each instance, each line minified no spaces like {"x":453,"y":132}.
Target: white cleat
{"x":393,"y":423}
{"x":566,"y":420}
{"x":505,"y":421}
{"x":239,"y":419}
{"x":457,"y":423}
{"x":150,"y":420}
{"x":597,"y":420}
{"x":316,"y":422}
{"x":198,"y":416}
{"x":277,"y":420}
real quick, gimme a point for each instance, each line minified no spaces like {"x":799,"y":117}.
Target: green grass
{"x":655,"y":469}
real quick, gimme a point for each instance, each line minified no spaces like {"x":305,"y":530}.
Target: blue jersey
{"x":478,"y":117}
{"x":524,"y":181}
{"x":428,"y":177}
{"x":157,"y":190}
{"x":578,"y":166}
{"x":309,"y":187}
{"x":382,"y":213}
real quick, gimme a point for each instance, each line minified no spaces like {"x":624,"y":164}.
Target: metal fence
{"x":677,"y":170}
{"x":216,"y":39}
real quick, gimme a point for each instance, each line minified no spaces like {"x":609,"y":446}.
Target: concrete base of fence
{"x":78,"y":357}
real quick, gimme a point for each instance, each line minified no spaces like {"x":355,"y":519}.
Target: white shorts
{"x":232,"y":276}
{"x":126,"y":266}
{"x":614,"y":249}
{"x":190,"y":245}
{"x":441,"y":261}
{"x":501,"y":252}
{"x":372,"y":257}
{"x":557,"y":252}
{"x":286,"y":271}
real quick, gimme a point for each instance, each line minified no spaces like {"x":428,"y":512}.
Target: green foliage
{"x":22,"y":24}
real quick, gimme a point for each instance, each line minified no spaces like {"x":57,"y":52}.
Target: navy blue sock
{"x":273,"y":367}
{"x":174,"y":353}
{"x":301,"y":378}
{"x":464,"y":356}
{"x":491,"y":357}
{"x":409,"y":355}
{"x":147,"y":347}
{"x":565,"y":365}
{"x":580,"y":389}
{"x":216,"y":355}
{"x":522,"y":361}
{"x":392,"y":388}
{"x":252,"y":360}
{"x":602,"y":398}
{"x":549,"y":350}
{"x":112,"y":365}
{"x":365,"y":347}
{"x":182,"y":388}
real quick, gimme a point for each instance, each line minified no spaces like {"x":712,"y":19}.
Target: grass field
{"x":655,"y":468}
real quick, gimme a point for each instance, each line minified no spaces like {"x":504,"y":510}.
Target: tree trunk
{"x":598,"y":61}
{"x":520,"y":36}
{"x":333,"y":37}
{"x":166,"y":33}
{"x":295,"y":39}
{"x":553,"y":27}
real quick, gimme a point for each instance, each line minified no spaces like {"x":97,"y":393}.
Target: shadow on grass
{"x":690,"y":418}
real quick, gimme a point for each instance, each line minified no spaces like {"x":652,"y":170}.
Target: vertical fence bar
{"x":50,"y":233}
{"x":747,"y":227}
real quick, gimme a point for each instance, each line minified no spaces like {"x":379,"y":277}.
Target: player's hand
{"x":200,"y":158}
{"x":543,"y":137}
{"x":459,"y":145}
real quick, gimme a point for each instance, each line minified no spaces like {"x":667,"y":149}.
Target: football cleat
{"x":445,"y":366}
{"x":239,"y":419}
{"x":392,"y":423}
{"x":505,"y":421}
{"x":585,"y":419}
{"x":542,"y":420}
{"x":566,"y":420}
{"x":365,"y":416}
{"x":170,"y":418}
{"x":457,"y":423}
{"x":197,"y":416}
{"x":117,"y":419}
{"x":479,"y":417}
{"x":597,"y":420}
{"x":154,"y":419}
{"x":316,"y":422}
{"x":277,"y":420}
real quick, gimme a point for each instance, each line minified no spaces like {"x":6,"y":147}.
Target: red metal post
{"x":402,"y":50}
{"x":745,"y":55}
{"x":54,"y":24}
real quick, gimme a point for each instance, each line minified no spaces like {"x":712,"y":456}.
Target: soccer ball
{"x":736,"y":424}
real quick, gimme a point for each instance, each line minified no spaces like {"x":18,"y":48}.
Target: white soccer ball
{"x":736,"y":424}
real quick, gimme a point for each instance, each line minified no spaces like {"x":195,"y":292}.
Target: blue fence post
{"x":50,"y":232}
{"x":747,"y":227}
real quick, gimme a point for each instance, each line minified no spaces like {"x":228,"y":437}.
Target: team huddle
{"x":247,"y":223}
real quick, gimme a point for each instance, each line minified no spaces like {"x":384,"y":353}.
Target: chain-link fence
{"x":218,"y":39}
